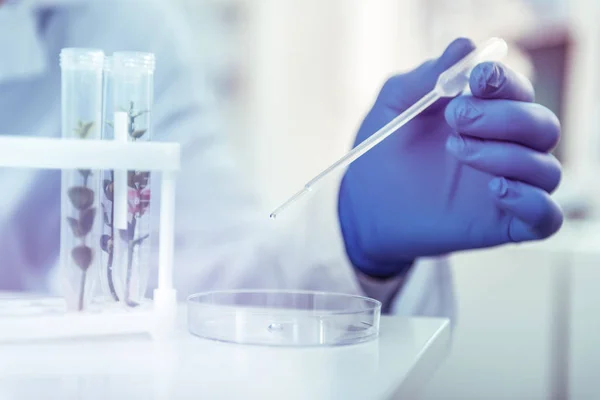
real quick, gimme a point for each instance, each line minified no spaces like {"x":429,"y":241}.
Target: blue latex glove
{"x":471,"y":172}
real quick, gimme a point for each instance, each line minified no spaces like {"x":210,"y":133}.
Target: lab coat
{"x":222,"y":240}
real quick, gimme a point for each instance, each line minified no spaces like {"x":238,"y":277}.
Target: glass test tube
{"x":81,"y":101}
{"x":107,"y":273}
{"x":128,"y":243}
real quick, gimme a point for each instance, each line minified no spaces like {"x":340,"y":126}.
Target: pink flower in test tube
{"x":138,"y":200}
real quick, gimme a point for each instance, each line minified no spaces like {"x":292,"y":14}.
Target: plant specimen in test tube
{"x":107,"y":240}
{"x":138,"y":199}
{"x":82,"y":199}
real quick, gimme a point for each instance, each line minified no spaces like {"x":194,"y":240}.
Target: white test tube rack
{"x":159,"y":320}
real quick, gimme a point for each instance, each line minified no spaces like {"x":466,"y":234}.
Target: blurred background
{"x":295,"y":78}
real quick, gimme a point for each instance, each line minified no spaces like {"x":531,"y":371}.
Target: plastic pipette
{"x":449,"y":84}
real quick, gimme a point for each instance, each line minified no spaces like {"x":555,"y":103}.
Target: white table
{"x":394,"y":366}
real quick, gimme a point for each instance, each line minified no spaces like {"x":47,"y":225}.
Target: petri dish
{"x":283,"y":317}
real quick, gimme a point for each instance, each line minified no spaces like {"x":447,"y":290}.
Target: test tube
{"x":81,"y":102}
{"x":132,"y":91}
{"x":107,"y":275}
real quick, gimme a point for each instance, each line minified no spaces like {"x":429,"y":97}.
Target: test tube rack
{"x":158,"y":320}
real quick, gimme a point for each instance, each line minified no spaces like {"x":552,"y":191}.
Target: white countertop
{"x":133,"y":367}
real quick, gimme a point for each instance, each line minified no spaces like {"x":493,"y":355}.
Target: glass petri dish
{"x":283,"y":317}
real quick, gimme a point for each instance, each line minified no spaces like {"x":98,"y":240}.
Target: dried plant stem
{"x":109,"y":267}
{"x":130,"y":250}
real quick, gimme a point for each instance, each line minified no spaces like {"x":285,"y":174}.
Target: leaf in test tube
{"x":138,"y":134}
{"x":82,"y":255}
{"x":139,"y":114}
{"x":83,"y":226}
{"x":108,"y":189}
{"x":140,"y":240}
{"x":86,"y":220}
{"x":84,"y":129}
{"x":106,"y":243}
{"x":81,"y":197}
{"x":85,"y":173}
{"x":131,"y":179}
{"x":124,"y":235}
{"x":137,"y":179}
{"x":127,"y":234}
{"x":106,"y":218}
{"x":75,"y":227}
{"x":141,"y":179}
{"x":87,"y":128}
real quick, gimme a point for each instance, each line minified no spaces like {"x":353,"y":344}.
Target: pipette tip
{"x":291,"y":200}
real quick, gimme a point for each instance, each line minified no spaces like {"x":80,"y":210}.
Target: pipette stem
{"x":376,"y":138}
{"x":379,"y":136}
{"x":289,"y":202}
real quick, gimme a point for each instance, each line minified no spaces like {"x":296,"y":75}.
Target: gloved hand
{"x":471,"y":172}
